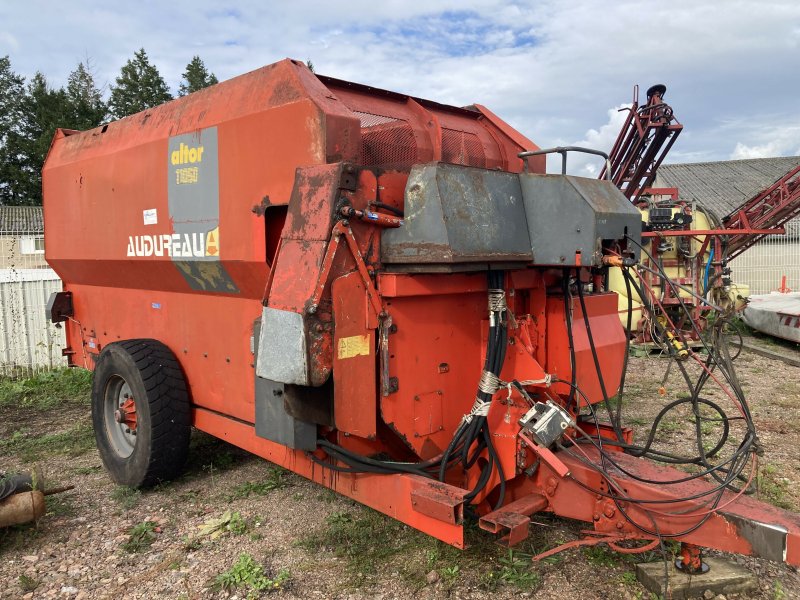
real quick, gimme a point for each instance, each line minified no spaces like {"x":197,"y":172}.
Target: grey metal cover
{"x":272,"y":420}
{"x":281,"y":354}
{"x":457,"y":214}
{"x":567,"y":215}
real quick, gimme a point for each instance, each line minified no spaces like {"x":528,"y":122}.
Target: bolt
{"x":609,"y":511}
{"x":596,"y":516}
{"x":312,"y":309}
{"x":620,"y":524}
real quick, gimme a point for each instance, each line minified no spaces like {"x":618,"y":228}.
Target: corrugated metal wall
{"x":29,"y":343}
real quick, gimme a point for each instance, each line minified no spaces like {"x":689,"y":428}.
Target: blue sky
{"x":556,"y":70}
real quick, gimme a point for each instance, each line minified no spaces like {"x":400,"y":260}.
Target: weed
{"x":249,"y":575}
{"x":449,"y":574}
{"x":73,"y":442}
{"x":276,"y":479}
{"x":237,"y":524}
{"x":777,"y":591}
{"x":366,"y":542}
{"x":515,"y":570}
{"x":228,"y":522}
{"x":191,"y":544}
{"x":628,"y":578}
{"x":141,"y":537}
{"x":601,"y":556}
{"x":210,"y":454}
{"x":86,"y":470}
{"x":772,"y":487}
{"x":48,"y":389}
{"x":126,"y":497}
{"x":60,"y":506}
{"x":27,"y":583}
{"x":669,"y":426}
{"x":328,"y":496}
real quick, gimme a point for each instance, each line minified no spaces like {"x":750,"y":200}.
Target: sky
{"x":558,"y":71}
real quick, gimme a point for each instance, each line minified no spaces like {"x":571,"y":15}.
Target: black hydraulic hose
{"x":395,"y":211}
{"x":568,"y":317}
{"x":629,"y":323}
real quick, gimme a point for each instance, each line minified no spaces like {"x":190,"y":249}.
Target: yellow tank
{"x":680,"y":256}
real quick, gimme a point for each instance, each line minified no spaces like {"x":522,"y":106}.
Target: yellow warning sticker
{"x":355,"y":345}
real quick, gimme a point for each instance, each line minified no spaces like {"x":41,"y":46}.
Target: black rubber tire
{"x":163,"y":426}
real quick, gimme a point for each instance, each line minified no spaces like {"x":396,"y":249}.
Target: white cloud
{"x":769,"y":141}
{"x":550,"y":68}
{"x":9,"y":41}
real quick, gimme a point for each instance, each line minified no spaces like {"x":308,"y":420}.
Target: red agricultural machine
{"x":387,"y":296}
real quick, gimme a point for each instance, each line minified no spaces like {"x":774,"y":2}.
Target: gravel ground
{"x":329,"y":546}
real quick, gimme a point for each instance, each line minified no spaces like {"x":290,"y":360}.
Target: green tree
{"x":138,"y":87}
{"x":196,"y":77}
{"x":43,"y":109}
{"x":86,"y":99}
{"x":12,"y":91}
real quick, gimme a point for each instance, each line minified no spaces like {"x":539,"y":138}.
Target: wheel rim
{"x":119,"y":416}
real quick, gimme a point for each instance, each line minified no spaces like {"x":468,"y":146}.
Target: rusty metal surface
{"x":438,"y":500}
{"x":458,"y":214}
{"x":513,"y":519}
{"x":354,"y":369}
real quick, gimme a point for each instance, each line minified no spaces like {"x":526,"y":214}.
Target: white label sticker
{"x":150,"y":216}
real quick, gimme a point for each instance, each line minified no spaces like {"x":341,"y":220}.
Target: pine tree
{"x":44,"y":109}
{"x":196,"y":77}
{"x":86,"y":99}
{"x":12,"y":91}
{"x":139,"y":87}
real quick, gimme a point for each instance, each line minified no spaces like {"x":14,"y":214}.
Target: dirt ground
{"x":184,"y":539}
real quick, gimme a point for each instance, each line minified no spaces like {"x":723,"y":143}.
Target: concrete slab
{"x":724,"y":577}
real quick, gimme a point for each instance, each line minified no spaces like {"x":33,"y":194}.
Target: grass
{"x":250,"y":576}
{"x":46,"y":390}
{"x":126,"y":497}
{"x":600,"y":556}
{"x":74,"y":442}
{"x":276,"y":479}
{"x":140,"y":537}
{"x":370,"y":543}
{"x":28,"y":583}
{"x":773,"y":488}
{"x":60,"y":505}
{"x":515,"y":571}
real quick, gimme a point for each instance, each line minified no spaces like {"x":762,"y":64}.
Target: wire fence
{"x":29,"y":343}
{"x":763,"y":266}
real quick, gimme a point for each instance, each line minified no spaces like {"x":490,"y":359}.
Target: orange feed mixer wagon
{"x":372,"y":290}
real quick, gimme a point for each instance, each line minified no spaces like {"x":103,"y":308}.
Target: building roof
{"x":723,"y":186}
{"x":21,"y":220}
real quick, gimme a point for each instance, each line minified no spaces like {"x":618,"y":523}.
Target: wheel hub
{"x":126,"y":414}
